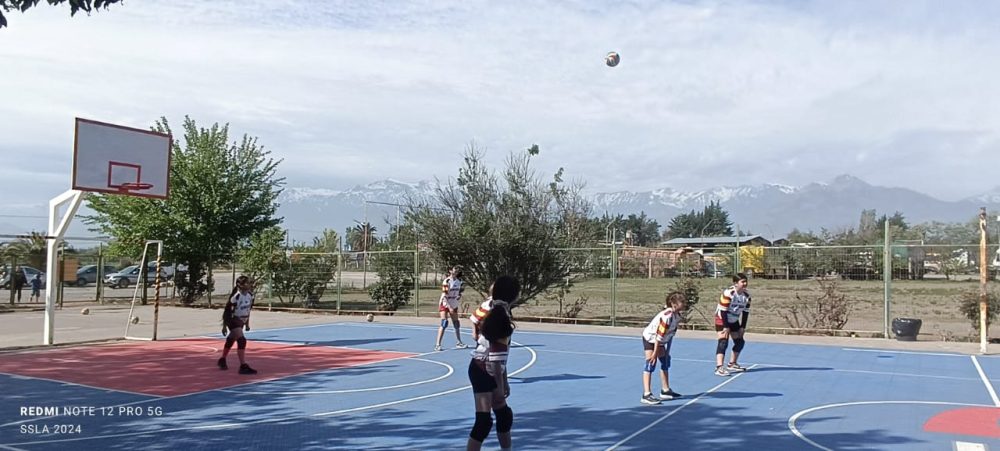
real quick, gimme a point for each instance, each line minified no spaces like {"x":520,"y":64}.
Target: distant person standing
{"x":730,"y":322}
{"x":19,"y":281}
{"x":36,"y":288}
{"x":451,"y":295}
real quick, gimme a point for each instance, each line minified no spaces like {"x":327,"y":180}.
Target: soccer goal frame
{"x":141,"y":285}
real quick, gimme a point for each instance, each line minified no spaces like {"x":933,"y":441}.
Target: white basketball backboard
{"x":114,"y":159}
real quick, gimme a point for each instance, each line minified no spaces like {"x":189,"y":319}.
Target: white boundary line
{"x":801,"y":413}
{"x":886,"y":351}
{"x":531,"y":362}
{"x":986,"y":381}
{"x":448,"y":367}
{"x":676,"y":409}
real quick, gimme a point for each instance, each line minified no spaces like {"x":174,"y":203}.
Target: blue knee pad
{"x":665,"y":362}
{"x":649,"y":367}
{"x":721,"y":347}
{"x":738,"y":344}
{"x":481,"y":429}
{"x":444,"y":323}
{"x":241,"y":343}
{"x":505,"y":419}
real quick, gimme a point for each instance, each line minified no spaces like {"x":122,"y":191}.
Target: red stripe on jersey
{"x":479,"y":314}
{"x":661,"y":330}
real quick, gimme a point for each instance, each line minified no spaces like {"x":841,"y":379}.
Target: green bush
{"x":969,"y":306}
{"x":395,"y":280}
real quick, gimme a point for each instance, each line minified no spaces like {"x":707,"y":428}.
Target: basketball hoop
{"x":127,"y":188}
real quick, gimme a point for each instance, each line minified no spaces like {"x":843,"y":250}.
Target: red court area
{"x":979,"y":421}
{"x":180,"y":367}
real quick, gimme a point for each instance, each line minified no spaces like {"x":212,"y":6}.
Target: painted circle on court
{"x":449,"y":370}
{"x":793,"y":420}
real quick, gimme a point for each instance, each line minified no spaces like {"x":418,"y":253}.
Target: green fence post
{"x":416,"y":282}
{"x":614,"y":281}
{"x":340,"y":275}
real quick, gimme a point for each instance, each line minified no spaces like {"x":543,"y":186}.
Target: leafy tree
{"x":711,"y":221}
{"x":221,"y":194}
{"x":641,"y":230}
{"x":799,"y":237}
{"x":304,"y":271}
{"x":514,"y":226}
{"x":361,"y":237}
{"x":75,"y":6}
{"x":264,"y":255}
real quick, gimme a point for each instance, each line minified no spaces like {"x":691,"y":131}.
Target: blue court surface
{"x":569,"y":391}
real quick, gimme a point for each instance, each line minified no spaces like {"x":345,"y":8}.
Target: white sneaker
{"x":438,"y":348}
{"x":649,"y":399}
{"x":720,"y":371}
{"x":460,"y":345}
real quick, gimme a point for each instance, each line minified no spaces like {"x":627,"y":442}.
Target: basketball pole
{"x":57,"y":230}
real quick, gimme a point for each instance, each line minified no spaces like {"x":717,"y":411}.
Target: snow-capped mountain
{"x":771,"y":210}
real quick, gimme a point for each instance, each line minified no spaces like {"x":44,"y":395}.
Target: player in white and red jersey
{"x":657,"y":338}
{"x":482,"y":311}
{"x":451,"y":294}
{"x":730,"y":322}
{"x":236,"y":318}
{"x":488,"y":367}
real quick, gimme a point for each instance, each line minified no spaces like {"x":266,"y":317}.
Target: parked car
{"x":29,"y":273}
{"x":130,"y":275}
{"x":88,"y":274}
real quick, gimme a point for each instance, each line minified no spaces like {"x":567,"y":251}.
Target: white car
{"x":130,"y":276}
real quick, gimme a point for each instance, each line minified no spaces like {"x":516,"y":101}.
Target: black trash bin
{"x":906,"y":329}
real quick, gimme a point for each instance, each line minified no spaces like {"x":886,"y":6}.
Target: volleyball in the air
{"x":370,"y":317}
{"x":135,"y":319}
{"x":85,"y":311}
{"x":612,"y":59}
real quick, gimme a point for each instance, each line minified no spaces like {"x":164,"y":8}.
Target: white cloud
{"x":707,"y":93}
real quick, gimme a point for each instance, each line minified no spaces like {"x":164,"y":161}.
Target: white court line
{"x":989,"y":386}
{"x":11,"y":448}
{"x":531,"y":362}
{"x":770,"y":365}
{"x":966,"y":446}
{"x":801,"y":413}
{"x":449,"y":371}
{"x":884,"y":351}
{"x":669,"y":414}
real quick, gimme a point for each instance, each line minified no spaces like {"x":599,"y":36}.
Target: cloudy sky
{"x":348,"y":92}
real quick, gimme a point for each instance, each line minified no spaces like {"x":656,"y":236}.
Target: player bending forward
{"x":730,"y":322}
{"x":657,"y":338}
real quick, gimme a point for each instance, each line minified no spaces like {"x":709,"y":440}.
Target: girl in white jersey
{"x":730,"y":322}
{"x":656,"y":340}
{"x":236,"y":318}
{"x":451,"y":295}
{"x":488,"y":368}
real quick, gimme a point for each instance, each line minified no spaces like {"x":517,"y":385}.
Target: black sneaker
{"x":245,"y":369}
{"x":222,"y":364}
{"x":669,"y":394}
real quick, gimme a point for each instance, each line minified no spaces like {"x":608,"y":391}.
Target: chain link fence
{"x":840,"y":290}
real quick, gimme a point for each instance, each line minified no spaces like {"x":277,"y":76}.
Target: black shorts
{"x":481,"y":381}
{"x":235,"y":323}
{"x":732,"y":328}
